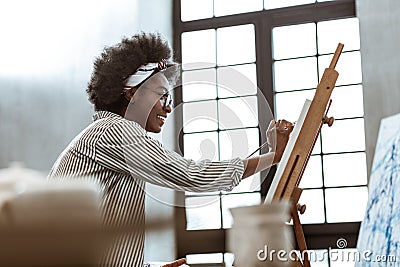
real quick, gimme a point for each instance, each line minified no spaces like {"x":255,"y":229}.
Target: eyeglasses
{"x":166,"y":100}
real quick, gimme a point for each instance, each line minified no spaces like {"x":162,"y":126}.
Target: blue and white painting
{"x":379,"y":238}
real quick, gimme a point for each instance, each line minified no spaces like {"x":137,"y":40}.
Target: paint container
{"x":260,"y":235}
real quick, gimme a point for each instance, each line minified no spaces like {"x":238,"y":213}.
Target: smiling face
{"x":145,"y":106}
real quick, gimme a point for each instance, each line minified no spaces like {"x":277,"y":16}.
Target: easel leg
{"x":299,"y":235}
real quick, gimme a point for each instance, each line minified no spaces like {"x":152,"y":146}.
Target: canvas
{"x":288,"y":150}
{"x":379,"y":237}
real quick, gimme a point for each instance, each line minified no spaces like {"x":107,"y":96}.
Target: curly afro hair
{"x":118,"y":62}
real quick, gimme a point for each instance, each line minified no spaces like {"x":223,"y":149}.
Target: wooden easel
{"x":298,"y":159}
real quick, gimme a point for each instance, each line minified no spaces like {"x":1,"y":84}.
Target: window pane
{"x":198,"y":49}
{"x":317,"y":146}
{"x":295,"y":74}
{"x":312,"y":176}
{"x":201,"y":146}
{"x":204,"y":258}
{"x":238,"y":112}
{"x":228,"y":7}
{"x":345,"y":31}
{"x":347,"y":102}
{"x":250,"y":184}
{"x":237,"y":80}
{"x":344,"y":136}
{"x":238,"y":143}
{"x":196,"y":9}
{"x":235,"y":45}
{"x":271,"y":4}
{"x":199,"y":85}
{"x":345,"y":169}
{"x":229,"y":259}
{"x":314,"y":201}
{"x":348,"y":66}
{"x":345,"y":204}
{"x":289,"y":105}
{"x":200,"y":116}
{"x":203,"y":213}
{"x":237,"y":200}
{"x":346,"y":257}
{"x":294,"y":41}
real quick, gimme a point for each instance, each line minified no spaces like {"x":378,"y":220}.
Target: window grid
{"x":186,"y":14}
{"x":218,"y":130}
{"x":218,"y":98}
{"x":213,"y":241}
{"x":323,"y":154}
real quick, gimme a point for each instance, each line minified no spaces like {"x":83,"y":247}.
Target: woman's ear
{"x":128,"y":94}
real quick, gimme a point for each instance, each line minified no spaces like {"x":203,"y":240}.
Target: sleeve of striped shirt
{"x":126,"y":147}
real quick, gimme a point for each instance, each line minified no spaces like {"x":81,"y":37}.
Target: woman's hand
{"x":277,"y":137}
{"x":278,"y":133}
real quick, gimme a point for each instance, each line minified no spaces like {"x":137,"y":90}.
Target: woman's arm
{"x":125,"y":147}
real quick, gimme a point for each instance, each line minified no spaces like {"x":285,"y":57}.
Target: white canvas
{"x":288,"y":150}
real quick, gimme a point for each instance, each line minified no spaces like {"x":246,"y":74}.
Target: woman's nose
{"x":168,"y":108}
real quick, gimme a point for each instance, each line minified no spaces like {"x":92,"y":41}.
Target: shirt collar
{"x":108,"y":114}
{"x":104,"y":114}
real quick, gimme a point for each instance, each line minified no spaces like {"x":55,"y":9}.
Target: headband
{"x":144,"y":72}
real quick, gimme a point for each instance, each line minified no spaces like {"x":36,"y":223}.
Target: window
{"x":194,"y":9}
{"x":282,"y":48}
{"x":335,"y":180}
{"x":220,"y":116}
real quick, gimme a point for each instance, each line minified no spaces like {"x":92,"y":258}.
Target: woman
{"x":129,"y":89}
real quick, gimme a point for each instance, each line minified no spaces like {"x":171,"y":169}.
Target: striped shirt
{"x":119,"y":155}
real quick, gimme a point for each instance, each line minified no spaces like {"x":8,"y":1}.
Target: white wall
{"x":380,"y":44}
{"x":47,"y":50}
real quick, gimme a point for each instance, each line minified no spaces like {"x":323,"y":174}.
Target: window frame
{"x":318,"y":236}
